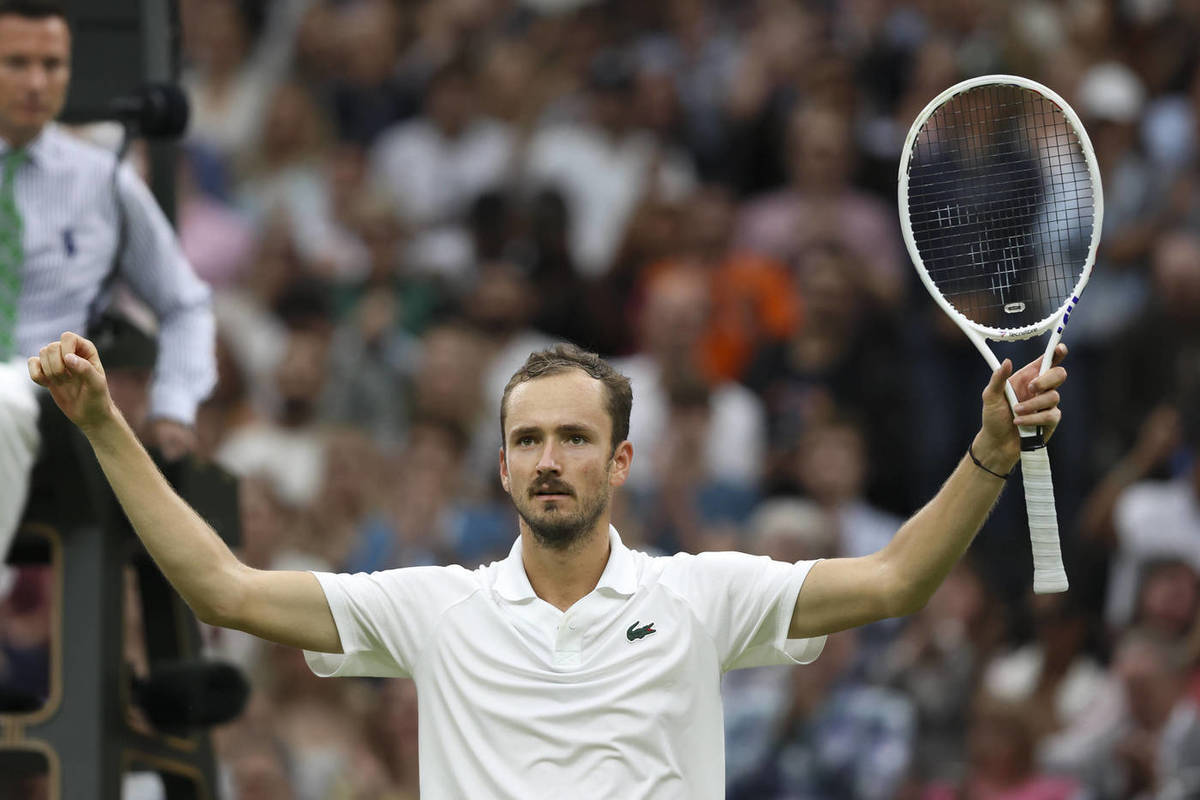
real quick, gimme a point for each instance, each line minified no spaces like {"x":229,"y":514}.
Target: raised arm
{"x":285,"y":607}
{"x":842,"y":593}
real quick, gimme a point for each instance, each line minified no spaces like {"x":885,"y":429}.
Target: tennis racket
{"x":1001,"y":208}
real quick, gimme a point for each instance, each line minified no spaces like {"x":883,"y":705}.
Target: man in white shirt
{"x":604,"y":165}
{"x":574,"y":665}
{"x":672,"y":319}
{"x":1153,"y":520}
{"x":60,"y":239}
{"x":435,"y":165}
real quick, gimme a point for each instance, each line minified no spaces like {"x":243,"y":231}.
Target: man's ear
{"x":503,"y":470}
{"x":622,"y":459}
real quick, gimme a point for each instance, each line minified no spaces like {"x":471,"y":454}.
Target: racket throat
{"x":1031,"y":439}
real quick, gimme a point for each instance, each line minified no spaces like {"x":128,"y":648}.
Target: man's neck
{"x":16,"y":139}
{"x":562,"y":577}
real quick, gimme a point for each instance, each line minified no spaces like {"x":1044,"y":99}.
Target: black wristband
{"x":985,"y":469}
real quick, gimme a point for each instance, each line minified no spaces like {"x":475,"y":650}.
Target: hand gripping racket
{"x":1001,"y":208}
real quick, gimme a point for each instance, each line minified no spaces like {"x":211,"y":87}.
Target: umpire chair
{"x":99,"y":719}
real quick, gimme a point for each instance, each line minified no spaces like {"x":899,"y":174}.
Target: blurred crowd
{"x":395,"y":201}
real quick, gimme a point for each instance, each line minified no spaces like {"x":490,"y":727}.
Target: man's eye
{"x":577,"y":439}
{"x":525,"y":441}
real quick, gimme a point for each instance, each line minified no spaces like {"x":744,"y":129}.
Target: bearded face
{"x":558,"y":463}
{"x":556,"y":513}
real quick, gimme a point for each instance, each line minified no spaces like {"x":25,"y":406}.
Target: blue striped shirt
{"x":64,"y":193}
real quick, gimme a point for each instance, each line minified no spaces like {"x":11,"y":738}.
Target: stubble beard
{"x":559,"y":530}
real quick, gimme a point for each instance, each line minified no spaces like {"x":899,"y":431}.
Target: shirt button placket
{"x":567,"y":646}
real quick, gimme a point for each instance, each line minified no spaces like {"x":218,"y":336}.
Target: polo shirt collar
{"x":620,"y":573}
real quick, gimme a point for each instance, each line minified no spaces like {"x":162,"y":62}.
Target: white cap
{"x":1111,"y":91}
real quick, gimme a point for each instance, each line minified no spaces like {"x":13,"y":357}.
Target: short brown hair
{"x":618,"y":395}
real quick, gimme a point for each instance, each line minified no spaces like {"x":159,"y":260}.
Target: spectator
{"x":936,"y":661}
{"x":513,"y":87}
{"x":754,"y":303}
{"x":234,"y":59}
{"x":435,"y":165}
{"x":782,"y":43}
{"x":414,"y":522}
{"x":217,"y":239}
{"x":392,"y":731}
{"x":1111,"y":97}
{"x":370,"y":91}
{"x":259,"y":771}
{"x":376,"y":344}
{"x":341,"y":221}
{"x":572,"y":307}
{"x":698,"y":54}
{"x":820,"y":205}
{"x":357,"y":483}
{"x":290,"y":447}
{"x":832,"y":470}
{"x":785,"y":527}
{"x":1002,"y":767}
{"x":286,"y":174}
{"x":1158,"y":745}
{"x":1053,"y":678}
{"x":228,"y":407}
{"x":844,"y":357}
{"x":1152,"y":519}
{"x":321,"y":725}
{"x":685,"y":507}
{"x":448,"y":380}
{"x":1168,"y":599}
{"x":830,"y":738}
{"x":604,"y":165}
{"x":1165,"y":337}
{"x":1153,"y":447}
{"x":672,"y":321}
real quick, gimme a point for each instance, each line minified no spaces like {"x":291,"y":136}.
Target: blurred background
{"x":395,"y":201}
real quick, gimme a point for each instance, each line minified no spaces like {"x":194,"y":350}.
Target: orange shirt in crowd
{"x":753,"y":301}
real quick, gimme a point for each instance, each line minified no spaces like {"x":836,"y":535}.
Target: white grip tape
{"x":1048,"y":573}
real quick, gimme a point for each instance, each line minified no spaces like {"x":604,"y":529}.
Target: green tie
{"x":12,"y":254}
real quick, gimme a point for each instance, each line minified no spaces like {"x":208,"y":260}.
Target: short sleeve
{"x":385,"y":618}
{"x":745,"y":603}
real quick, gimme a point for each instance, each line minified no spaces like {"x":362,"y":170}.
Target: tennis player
{"x":575,"y":666}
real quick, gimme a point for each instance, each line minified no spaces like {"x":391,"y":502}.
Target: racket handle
{"x":1048,"y":573}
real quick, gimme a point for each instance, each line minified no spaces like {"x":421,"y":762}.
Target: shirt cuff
{"x":779,"y":649}
{"x":330,"y":665}
{"x":800,"y":651}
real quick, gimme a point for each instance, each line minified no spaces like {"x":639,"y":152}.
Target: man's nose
{"x":38,"y":78}
{"x":548,"y":462}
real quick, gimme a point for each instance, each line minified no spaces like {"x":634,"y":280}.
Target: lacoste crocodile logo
{"x":634,"y":633}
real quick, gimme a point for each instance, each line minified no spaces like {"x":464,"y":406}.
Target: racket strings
{"x":1058,"y":283}
{"x":1001,"y":204}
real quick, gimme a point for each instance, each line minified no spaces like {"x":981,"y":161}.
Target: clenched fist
{"x":70,"y":368}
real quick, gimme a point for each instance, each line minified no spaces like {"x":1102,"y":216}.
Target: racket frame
{"x":1055,"y":322}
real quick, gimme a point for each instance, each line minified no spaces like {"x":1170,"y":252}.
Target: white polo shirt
{"x":619,"y":696}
